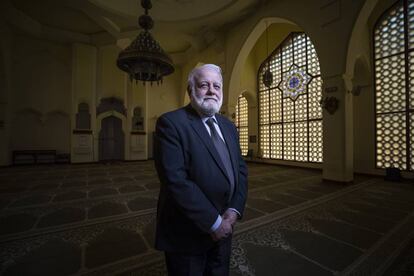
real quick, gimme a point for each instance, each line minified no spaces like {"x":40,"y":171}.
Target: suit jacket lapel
{"x":201,"y":131}
{"x":231,"y":145}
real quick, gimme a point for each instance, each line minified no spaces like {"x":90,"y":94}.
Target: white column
{"x":129,"y":110}
{"x":338,"y":132}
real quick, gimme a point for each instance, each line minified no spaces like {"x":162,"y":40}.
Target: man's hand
{"x":230,"y":216}
{"x":223,"y":231}
{"x":226,"y":226}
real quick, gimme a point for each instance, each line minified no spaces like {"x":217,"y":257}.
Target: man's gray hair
{"x":194,"y":72}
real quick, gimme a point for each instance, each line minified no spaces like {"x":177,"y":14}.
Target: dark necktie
{"x":223,"y":152}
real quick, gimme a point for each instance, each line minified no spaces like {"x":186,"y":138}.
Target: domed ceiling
{"x":168,"y":10}
{"x":180,"y":25}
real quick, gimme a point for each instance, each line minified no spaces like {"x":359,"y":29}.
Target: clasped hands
{"x":226,"y":227}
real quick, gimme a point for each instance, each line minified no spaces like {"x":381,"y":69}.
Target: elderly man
{"x":203,"y":180}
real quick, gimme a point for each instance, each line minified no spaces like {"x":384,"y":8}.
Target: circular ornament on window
{"x":294,"y":82}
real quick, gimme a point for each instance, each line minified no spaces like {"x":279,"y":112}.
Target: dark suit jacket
{"x":194,"y":185}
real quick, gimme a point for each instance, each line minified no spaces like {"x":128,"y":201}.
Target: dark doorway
{"x":111,"y":139}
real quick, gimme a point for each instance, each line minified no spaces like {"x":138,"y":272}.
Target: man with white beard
{"x":203,"y":180}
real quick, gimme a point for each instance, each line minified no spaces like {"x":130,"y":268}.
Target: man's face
{"x":207,"y":95}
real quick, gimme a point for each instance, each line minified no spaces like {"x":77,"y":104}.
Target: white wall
{"x":41,"y":95}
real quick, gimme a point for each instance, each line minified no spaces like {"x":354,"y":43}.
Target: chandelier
{"x":144,"y":59}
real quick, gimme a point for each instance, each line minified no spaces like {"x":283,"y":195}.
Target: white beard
{"x":206,"y":107}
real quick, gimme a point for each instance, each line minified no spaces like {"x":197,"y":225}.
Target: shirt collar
{"x":205,"y":118}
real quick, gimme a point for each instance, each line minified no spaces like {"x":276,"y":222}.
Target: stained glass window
{"x":394,"y":87}
{"x":241,"y":121}
{"x":290,"y":116}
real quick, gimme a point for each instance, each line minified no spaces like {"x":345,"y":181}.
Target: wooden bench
{"x":62,"y":158}
{"x":34,"y":156}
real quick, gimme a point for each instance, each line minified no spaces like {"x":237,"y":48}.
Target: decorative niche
{"x":83,"y":117}
{"x":137,"y":120}
{"x":111,"y":104}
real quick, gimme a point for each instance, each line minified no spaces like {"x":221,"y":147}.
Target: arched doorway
{"x":111,"y":139}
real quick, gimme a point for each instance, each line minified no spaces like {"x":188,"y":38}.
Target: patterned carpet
{"x":98,"y":219}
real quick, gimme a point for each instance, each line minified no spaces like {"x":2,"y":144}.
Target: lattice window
{"x":242,"y":124}
{"x":290,"y":116}
{"x":394,"y":87}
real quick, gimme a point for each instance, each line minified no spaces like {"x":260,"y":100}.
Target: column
{"x":337,"y":131}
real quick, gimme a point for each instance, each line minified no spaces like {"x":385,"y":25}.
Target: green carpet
{"x":98,"y":219}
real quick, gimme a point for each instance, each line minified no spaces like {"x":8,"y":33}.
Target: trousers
{"x":214,"y":262}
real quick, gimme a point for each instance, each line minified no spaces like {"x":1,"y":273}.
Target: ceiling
{"x":180,"y":25}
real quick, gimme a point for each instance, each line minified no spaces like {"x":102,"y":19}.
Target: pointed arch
{"x":394,"y":96}
{"x":290,"y":116}
{"x":237,"y":68}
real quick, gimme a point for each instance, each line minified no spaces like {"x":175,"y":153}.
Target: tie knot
{"x":210,"y":122}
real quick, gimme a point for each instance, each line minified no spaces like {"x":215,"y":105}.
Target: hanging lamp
{"x":144,"y":59}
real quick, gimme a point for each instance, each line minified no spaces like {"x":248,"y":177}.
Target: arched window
{"x":394,"y":87}
{"x":290,"y":115}
{"x":242,"y":124}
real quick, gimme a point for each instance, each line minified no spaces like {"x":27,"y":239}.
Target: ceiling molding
{"x":103,"y":21}
{"x":29,"y":25}
{"x":177,"y":37}
{"x":64,"y":36}
{"x":19,"y":19}
{"x":102,"y":39}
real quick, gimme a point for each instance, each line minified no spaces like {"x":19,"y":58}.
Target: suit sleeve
{"x":170,"y":165}
{"x":239,"y":199}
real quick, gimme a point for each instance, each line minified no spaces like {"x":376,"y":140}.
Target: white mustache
{"x":205,"y":99}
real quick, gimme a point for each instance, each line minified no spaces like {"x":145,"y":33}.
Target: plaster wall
{"x":41,"y":104}
{"x":111,"y":80}
{"x":161,"y":99}
{"x":84,"y":59}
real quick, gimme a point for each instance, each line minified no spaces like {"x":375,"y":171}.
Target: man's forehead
{"x":207,"y":75}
